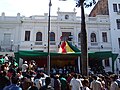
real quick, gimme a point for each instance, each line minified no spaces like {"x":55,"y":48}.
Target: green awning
{"x":95,"y":55}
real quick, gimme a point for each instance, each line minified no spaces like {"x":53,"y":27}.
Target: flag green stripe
{"x":75,"y":49}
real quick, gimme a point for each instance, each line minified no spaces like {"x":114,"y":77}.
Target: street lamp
{"x":48,"y":57}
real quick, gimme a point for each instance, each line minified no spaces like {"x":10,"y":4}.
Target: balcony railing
{"x":41,"y":43}
{"x":94,"y":43}
{"x":52,"y":43}
{"x":38,"y":43}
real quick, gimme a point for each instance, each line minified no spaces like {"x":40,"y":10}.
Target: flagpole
{"x":48,"y":57}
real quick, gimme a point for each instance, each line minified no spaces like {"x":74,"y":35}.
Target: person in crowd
{"x":74,"y":84}
{"x":31,"y":65}
{"x":13,"y":85}
{"x":24,"y":68}
{"x":6,"y":58}
{"x":52,"y":80}
{"x":118,"y":81}
{"x":68,"y":78}
{"x":60,"y":70}
{"x":47,"y":85}
{"x":107,"y":82}
{"x":6,"y":66}
{"x":26,"y":83}
{"x":114,"y":84}
{"x":79,"y":78}
{"x":4,"y":80}
{"x":64,"y":82}
{"x":95,"y":84}
{"x":85,"y":84}
{"x":102,"y":80}
{"x":38,"y":81}
{"x":57,"y":83}
{"x":11,"y":72}
{"x":33,"y":86}
{"x":19,"y":74}
{"x":42,"y":78}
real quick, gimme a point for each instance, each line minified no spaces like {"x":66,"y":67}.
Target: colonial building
{"x":111,"y":8}
{"x":114,"y":16}
{"x":31,"y":33}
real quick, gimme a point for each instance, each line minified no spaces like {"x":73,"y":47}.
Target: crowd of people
{"x":30,"y":77}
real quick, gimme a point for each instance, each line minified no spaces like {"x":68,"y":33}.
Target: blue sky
{"x":37,"y":7}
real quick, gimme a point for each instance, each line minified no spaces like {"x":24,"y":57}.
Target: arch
{"x":93,"y":37}
{"x":79,"y":37}
{"x":38,"y":36}
{"x":52,"y":36}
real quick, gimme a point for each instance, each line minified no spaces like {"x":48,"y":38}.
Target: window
{"x":119,"y":42}
{"x":115,"y":7}
{"x":38,"y":36}
{"x":119,"y":60}
{"x":119,"y":6}
{"x":118,"y":23}
{"x":27,"y":35}
{"x":79,"y":37}
{"x":93,"y":37}
{"x":65,"y":36}
{"x":52,"y":36}
{"x":66,"y":16}
{"x":7,"y":39}
{"x":104,"y":36}
{"x":107,"y":63}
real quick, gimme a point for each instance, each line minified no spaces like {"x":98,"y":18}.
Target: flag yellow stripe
{"x":68,"y":49}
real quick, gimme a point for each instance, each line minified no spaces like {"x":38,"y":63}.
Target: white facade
{"x":10,"y":29}
{"x":114,"y":16}
{"x":13,"y":32}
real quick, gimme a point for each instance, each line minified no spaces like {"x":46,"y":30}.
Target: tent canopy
{"x":67,"y":49}
{"x":94,"y":55}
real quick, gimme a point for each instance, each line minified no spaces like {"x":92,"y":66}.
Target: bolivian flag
{"x":67,"y":47}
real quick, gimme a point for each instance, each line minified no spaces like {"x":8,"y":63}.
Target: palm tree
{"x":84,"y":48}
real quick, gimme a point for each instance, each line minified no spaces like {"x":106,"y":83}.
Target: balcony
{"x":38,"y":42}
{"x":52,"y":43}
{"x":41,"y":43}
{"x":94,"y":44}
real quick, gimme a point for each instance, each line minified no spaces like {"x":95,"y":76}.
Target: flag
{"x":62,"y":48}
{"x":66,"y":47}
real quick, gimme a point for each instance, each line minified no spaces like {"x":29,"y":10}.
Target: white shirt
{"x":24,"y":67}
{"x":85,"y":88}
{"x":80,"y":82}
{"x":96,"y":85}
{"x":52,"y":82}
{"x":38,"y":83}
{"x":75,"y":84}
{"x":6,"y":59}
{"x":114,"y":86}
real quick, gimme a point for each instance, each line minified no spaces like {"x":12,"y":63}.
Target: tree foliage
{"x":87,"y":3}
